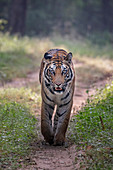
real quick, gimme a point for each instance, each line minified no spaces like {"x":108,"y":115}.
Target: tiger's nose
{"x":58,"y":84}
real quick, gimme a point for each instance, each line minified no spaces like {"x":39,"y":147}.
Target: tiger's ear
{"x":47,"y":56}
{"x":69,"y":57}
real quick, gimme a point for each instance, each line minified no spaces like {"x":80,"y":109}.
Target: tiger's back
{"x":57,"y":78}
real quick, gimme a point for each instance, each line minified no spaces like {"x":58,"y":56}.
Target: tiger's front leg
{"x":46,"y":122}
{"x":61,"y":121}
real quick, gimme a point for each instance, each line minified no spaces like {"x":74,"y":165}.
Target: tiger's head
{"x":57,"y":70}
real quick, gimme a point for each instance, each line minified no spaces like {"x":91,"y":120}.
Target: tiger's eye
{"x":64,"y":71}
{"x":67,"y":75}
{"x":51,"y":71}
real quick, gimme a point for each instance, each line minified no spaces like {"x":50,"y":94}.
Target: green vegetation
{"x":19,"y":56}
{"x":96,"y":58}
{"x":17,"y":125}
{"x":84,"y":46}
{"x":92,"y":127}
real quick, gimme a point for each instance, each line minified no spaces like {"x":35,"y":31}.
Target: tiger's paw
{"x":50,"y":140}
{"x":59,"y":141}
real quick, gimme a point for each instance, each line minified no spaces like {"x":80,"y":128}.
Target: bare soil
{"x":44,"y":156}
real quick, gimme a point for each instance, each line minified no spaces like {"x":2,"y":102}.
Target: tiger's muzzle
{"x":59,"y":88}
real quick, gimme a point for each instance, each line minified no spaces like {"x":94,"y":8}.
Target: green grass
{"x":19,"y":56}
{"x":21,"y":95}
{"x":96,"y":61}
{"x":81,"y":47}
{"x":92,"y":127}
{"x":17,"y":125}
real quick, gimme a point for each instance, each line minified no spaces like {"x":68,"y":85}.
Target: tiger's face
{"x":58,"y":76}
{"x":58,"y":73}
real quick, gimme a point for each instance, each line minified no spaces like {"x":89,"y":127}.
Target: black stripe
{"x":65,"y":96}
{"x":45,"y":72}
{"x":61,"y":114}
{"x":50,"y":116}
{"x":47,"y":65}
{"x":71,"y":72}
{"x":68,"y":80}
{"x":51,"y":91}
{"x":48,"y":97}
{"x":46,"y":77}
{"x":71,"y":76}
{"x":64,"y":104}
{"x":51,"y":107}
{"x":68,"y":65}
{"x":47,"y":85}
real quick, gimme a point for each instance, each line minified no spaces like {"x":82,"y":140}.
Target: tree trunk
{"x":106,"y":10}
{"x":17,"y":16}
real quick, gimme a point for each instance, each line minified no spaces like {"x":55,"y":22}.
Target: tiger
{"x":57,"y":78}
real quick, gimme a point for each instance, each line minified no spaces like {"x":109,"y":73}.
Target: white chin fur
{"x":58,"y":93}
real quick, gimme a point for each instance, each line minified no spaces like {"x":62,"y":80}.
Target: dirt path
{"x":55,"y":158}
{"x":45,"y":157}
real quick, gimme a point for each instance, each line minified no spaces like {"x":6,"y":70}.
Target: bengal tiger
{"x":57,"y":78}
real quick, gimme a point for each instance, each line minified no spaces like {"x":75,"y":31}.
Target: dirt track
{"x":45,"y":157}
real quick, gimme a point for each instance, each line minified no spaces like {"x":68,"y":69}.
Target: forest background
{"x":68,"y":17}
